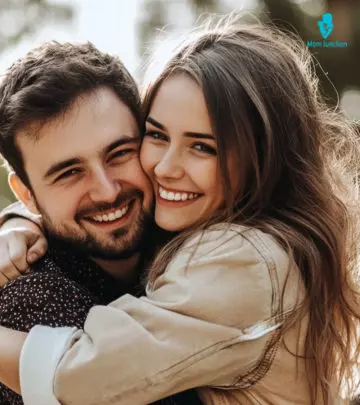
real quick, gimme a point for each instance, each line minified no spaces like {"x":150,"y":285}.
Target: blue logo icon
{"x":326,"y":25}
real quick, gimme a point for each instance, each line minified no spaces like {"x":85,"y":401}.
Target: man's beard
{"x":119,"y":244}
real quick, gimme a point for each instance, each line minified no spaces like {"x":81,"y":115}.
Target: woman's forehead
{"x":180,"y":99}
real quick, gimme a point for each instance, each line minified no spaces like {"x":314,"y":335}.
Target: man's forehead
{"x":61,"y":163}
{"x":98,"y":111}
{"x":90,"y":126}
{"x":50,"y":151}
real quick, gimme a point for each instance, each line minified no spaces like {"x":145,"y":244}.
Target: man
{"x":69,"y":131}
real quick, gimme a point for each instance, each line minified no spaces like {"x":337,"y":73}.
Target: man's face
{"x":86,"y":177}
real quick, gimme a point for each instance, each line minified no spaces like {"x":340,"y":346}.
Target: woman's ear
{"x":22,"y":193}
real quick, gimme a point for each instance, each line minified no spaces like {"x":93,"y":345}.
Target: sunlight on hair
{"x":265,"y":103}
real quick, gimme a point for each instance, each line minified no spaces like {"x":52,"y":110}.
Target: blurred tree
{"x":153,"y":17}
{"x":19,"y":18}
{"x":200,"y":6}
{"x":338,"y":67}
{"x":156,"y":14}
{"x":6,"y":196}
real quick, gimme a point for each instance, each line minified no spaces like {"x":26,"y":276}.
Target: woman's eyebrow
{"x":155,"y":123}
{"x":188,"y":134}
{"x":199,"y":135}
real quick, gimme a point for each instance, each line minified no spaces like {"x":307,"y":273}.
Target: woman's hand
{"x":21,"y":244}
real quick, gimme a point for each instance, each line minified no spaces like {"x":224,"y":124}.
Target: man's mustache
{"x":102,"y":207}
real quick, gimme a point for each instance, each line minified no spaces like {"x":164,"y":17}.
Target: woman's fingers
{"x":19,"y":248}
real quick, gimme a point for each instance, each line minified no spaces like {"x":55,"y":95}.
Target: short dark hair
{"x":45,"y":83}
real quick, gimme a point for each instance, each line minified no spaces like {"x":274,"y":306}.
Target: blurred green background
{"x":128,"y":27}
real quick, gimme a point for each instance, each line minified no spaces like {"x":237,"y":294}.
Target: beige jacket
{"x":212,"y":321}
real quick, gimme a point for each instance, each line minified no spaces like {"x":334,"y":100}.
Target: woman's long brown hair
{"x":298,"y":162}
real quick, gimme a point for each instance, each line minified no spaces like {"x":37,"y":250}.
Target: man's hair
{"x":44,"y":84}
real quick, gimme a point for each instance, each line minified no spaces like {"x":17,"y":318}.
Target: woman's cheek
{"x":147,"y":157}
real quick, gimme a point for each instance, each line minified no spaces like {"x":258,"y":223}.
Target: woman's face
{"x":179,"y":154}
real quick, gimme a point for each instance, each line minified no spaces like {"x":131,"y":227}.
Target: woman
{"x":254,"y":300}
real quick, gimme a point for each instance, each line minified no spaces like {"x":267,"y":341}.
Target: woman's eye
{"x":156,"y":135}
{"x":205,"y":148}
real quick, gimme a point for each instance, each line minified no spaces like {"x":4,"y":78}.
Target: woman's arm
{"x":11,"y":343}
{"x":206,"y":324}
{"x":17,"y":210}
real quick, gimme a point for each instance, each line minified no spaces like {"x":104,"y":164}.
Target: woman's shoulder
{"x":236,"y":239}
{"x":246,"y":254}
{"x":243,"y":264}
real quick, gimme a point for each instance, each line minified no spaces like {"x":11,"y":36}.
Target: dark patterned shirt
{"x":59,"y":290}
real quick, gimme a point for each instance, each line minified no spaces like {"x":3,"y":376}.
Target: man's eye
{"x":205,"y":148}
{"x":121,"y":153}
{"x":67,"y":174}
{"x":156,"y":135}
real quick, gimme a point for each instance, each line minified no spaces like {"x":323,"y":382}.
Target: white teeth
{"x":112,"y":215}
{"x":176,"y":196}
{"x":163,"y":193}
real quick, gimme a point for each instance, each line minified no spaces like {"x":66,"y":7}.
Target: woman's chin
{"x":171,"y":224}
{"x":170,"y":227}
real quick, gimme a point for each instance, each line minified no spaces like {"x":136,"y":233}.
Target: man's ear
{"x":22,"y":193}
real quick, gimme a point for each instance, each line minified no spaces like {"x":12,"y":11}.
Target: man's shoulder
{"x":44,"y":296}
{"x":44,"y":284}
{"x":33,"y":279}
{"x":48,"y":264}
{"x":44,"y":272}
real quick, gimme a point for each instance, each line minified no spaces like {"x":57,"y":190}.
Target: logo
{"x":326,"y":25}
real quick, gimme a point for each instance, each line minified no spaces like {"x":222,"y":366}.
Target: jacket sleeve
{"x":45,"y":298}
{"x":17,"y":209}
{"x":206,"y":322}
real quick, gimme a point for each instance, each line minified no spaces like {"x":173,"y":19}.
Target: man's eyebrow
{"x":189,"y":134}
{"x":56,"y":167}
{"x":120,"y":142}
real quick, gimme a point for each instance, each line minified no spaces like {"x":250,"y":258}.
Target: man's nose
{"x":105,"y":188}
